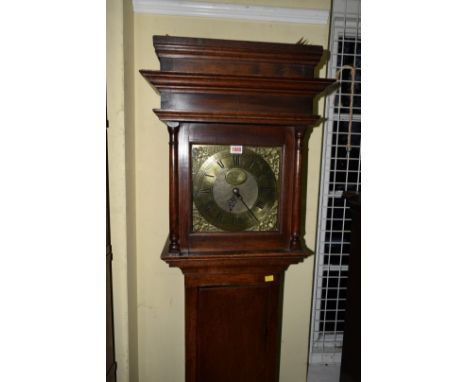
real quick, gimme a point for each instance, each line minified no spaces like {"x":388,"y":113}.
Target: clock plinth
{"x":236,"y":113}
{"x":233,"y":313}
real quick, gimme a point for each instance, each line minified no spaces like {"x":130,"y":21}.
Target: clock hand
{"x":236,"y":192}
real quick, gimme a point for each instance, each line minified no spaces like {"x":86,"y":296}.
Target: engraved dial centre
{"x":234,"y":178}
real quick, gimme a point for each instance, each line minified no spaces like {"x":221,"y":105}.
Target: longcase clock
{"x":236,"y":114}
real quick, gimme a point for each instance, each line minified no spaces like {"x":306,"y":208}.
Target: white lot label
{"x":236,"y":149}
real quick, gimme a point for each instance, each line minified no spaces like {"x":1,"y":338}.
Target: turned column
{"x":173,"y":128}
{"x":296,"y":212}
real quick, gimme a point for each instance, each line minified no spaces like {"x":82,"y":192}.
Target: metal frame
{"x":325,"y":346}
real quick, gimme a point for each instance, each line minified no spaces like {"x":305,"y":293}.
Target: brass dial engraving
{"x":235,"y":192}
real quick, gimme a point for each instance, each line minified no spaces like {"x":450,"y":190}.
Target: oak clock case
{"x":236,"y":113}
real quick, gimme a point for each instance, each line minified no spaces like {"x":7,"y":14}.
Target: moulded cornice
{"x":234,"y":84}
{"x":297,"y":119}
{"x":232,"y":11}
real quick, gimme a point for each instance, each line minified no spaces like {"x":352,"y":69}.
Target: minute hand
{"x":236,"y":192}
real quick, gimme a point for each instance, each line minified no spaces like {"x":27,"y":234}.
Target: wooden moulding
{"x":235,"y":262}
{"x":200,"y":55}
{"x":234,"y":84}
{"x":204,"y":93}
{"x":237,"y":118}
{"x":166,"y":46}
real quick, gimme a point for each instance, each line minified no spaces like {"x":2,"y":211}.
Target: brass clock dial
{"x":235,"y":191}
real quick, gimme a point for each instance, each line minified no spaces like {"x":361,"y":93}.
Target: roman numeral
{"x":236,"y":160}
{"x":209,"y":207}
{"x":205,"y":190}
{"x":208,"y":175}
{"x":266,"y":189}
{"x":219,"y":217}
{"x":220,"y":163}
{"x":251,"y":165}
{"x":253,"y":215}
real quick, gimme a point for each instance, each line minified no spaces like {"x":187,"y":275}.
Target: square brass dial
{"x":235,"y":188}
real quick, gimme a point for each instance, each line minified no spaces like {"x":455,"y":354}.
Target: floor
{"x":324,"y":373}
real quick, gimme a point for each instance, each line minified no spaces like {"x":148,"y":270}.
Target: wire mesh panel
{"x":341,"y":171}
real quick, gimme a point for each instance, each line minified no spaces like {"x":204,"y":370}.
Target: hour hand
{"x":236,"y":192}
